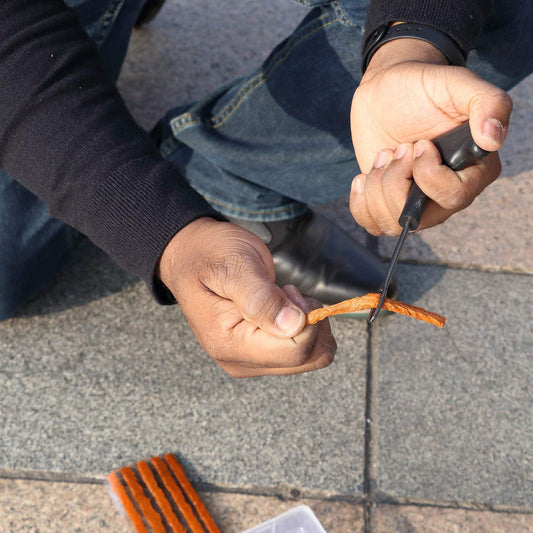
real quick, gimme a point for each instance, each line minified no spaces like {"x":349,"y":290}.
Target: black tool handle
{"x":457,"y":150}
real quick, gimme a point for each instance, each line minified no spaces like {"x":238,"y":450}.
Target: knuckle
{"x":233,"y":261}
{"x":260,"y":301}
{"x":226,"y":270}
{"x":372,"y":227}
{"x":496,"y":96}
{"x":385,"y":224}
{"x":389,"y":226}
{"x":454,"y":199}
{"x":393,"y":231}
{"x":505,"y":101}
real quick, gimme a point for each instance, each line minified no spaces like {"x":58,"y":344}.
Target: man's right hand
{"x":409,"y":93}
{"x":223,"y":278}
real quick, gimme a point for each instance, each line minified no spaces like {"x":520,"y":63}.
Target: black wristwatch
{"x":385,"y":33}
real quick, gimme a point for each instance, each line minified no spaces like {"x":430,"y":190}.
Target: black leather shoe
{"x":320,"y":258}
{"x":148,"y":12}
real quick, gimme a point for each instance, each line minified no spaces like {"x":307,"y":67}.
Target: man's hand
{"x":409,"y":93}
{"x":223,"y":278}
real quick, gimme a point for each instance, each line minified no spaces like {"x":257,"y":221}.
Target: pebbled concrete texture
{"x":94,"y":375}
{"x":455,"y":405}
{"x":87,"y":507}
{"x":49,"y":507}
{"x":235,"y":513}
{"x":417,"y":519}
{"x":89,"y":387}
{"x":192,"y":48}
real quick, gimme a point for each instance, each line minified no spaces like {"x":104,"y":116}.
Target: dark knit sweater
{"x":67,"y":136}
{"x":462,"y":20}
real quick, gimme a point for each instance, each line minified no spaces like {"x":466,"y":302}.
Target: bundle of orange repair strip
{"x":158,"y":498}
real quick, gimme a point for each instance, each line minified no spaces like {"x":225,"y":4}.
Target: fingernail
{"x":401,"y":150}
{"x":494,"y":129}
{"x":419,"y":148}
{"x":288,"y":320}
{"x":359,"y":185}
{"x":381,"y":159}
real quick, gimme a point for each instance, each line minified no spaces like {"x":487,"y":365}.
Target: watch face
{"x":372,"y":42}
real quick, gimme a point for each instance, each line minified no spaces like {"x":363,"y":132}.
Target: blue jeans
{"x":264,"y":146}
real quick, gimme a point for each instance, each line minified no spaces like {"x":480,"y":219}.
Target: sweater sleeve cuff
{"x":462,"y":20}
{"x":136,"y":223}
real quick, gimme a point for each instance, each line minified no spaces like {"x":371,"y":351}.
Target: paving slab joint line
{"x":43,"y":475}
{"x":389,"y":499}
{"x":282,"y":491}
{"x":370,"y":471}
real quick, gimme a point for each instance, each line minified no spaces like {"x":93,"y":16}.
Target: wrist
{"x":405,"y":50}
{"x":441,"y":46}
{"x":182,"y":241}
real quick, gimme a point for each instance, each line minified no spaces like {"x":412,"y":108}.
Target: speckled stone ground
{"x":412,"y":429}
{"x":50,"y":507}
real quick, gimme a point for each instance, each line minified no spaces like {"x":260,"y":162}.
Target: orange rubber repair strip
{"x":159,"y":496}
{"x":151,"y":515}
{"x":177,"y":495}
{"x":120,"y":491}
{"x":193,"y":496}
{"x":369,"y":301}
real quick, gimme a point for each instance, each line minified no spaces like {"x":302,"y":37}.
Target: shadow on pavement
{"x":89,"y":276}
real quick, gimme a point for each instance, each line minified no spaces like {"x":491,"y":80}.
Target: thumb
{"x":263,"y":303}
{"x":488,"y":108}
{"x":247,"y":279}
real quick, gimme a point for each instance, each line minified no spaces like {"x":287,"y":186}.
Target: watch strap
{"x":385,"y":33}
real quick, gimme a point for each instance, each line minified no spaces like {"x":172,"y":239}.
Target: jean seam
{"x":108,"y":19}
{"x":190,"y":119}
{"x":230,"y":207}
{"x":345,"y":19}
{"x":275,"y":211}
{"x":304,"y":3}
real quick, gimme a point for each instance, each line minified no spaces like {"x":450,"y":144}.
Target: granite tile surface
{"x":494,"y":233}
{"x":48,"y":507}
{"x":414,"y":519}
{"x":455,"y":405}
{"x":51,"y":507}
{"x":235,"y":513}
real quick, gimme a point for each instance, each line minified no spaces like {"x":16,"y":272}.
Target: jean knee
{"x":348,"y":12}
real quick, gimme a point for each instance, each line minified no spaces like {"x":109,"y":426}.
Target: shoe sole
{"x":149,"y":11}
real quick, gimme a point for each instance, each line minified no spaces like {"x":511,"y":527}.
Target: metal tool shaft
{"x":390,"y":272}
{"x":458,"y":150}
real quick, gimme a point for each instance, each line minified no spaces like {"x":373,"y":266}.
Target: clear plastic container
{"x":301,"y":519}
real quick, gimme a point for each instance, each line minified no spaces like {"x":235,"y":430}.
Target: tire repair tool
{"x":457,"y":150}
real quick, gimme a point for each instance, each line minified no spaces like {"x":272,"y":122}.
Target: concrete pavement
{"x":411,"y":428}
